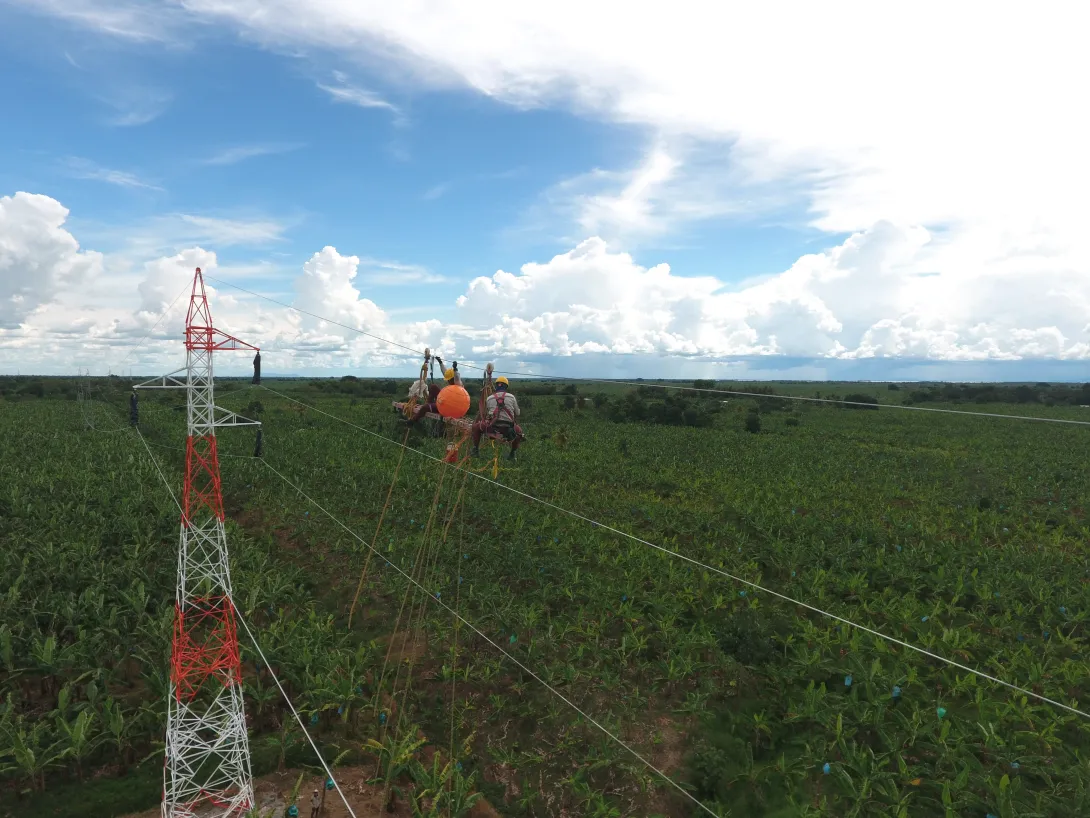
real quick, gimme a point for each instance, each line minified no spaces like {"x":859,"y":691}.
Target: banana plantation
{"x":632,"y":680}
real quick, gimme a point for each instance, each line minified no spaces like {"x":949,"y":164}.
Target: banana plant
{"x":80,"y":738}
{"x":118,"y":729}
{"x":34,"y":751}
{"x":395,"y":756}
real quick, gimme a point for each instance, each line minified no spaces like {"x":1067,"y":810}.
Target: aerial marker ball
{"x":453,"y":402}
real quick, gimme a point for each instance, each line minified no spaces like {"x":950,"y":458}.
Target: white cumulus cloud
{"x":38,"y":256}
{"x":888,"y":292}
{"x":871,"y":296}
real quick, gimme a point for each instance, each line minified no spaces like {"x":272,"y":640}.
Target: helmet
{"x":502,"y":381}
{"x":448,"y":375}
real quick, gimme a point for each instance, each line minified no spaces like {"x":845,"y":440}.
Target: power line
{"x":607,"y":381}
{"x":319,"y":317}
{"x":851,"y":402}
{"x":498,"y":647}
{"x":442,"y":604}
{"x":714,"y":570}
{"x":261,"y":653}
{"x":704,"y":566}
{"x":265,"y":663}
{"x":461,"y":618}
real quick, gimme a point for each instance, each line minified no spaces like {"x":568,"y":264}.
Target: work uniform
{"x":430,"y":406}
{"x":501,"y":415}
{"x":315,"y":804}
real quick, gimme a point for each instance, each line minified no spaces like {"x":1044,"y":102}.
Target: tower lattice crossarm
{"x":207,"y":763}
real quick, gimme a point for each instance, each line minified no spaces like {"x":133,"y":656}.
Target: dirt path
{"x":272,"y":792}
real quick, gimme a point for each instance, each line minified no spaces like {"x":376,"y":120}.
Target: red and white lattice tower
{"x":206,"y":770}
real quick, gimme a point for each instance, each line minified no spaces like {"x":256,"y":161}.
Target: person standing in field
{"x":315,"y":804}
{"x":501,"y":415}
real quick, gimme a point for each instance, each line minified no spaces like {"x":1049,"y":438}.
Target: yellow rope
{"x":414,"y":575}
{"x":420,"y":599}
{"x":454,"y":650}
{"x":409,"y":588}
{"x":378,"y":528}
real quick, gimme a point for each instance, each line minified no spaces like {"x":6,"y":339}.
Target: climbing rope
{"x":727,"y":575}
{"x":378,"y":528}
{"x":520,"y":665}
{"x":413,"y":581}
{"x":417,"y":606}
{"x":456,"y":625}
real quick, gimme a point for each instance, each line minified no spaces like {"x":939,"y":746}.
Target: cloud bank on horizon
{"x":934,"y":152}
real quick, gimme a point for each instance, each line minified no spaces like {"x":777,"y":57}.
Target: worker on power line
{"x":450,"y":376}
{"x":501,"y":417}
{"x":134,"y":409}
{"x":257,"y":368}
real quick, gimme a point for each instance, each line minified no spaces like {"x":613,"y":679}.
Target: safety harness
{"x":495,"y":416}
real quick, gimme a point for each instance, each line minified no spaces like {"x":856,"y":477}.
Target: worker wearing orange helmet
{"x":501,"y":415}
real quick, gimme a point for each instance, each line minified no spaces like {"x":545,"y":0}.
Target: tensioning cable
{"x":257,"y":647}
{"x":609,"y":382}
{"x":757,"y":587}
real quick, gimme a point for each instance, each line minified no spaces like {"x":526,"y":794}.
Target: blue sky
{"x":792,"y":226}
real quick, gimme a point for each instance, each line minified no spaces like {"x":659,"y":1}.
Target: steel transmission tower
{"x":206,"y":771}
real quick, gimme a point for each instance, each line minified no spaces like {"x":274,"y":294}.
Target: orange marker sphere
{"x":453,"y":402}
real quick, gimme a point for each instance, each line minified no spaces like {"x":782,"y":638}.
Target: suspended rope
{"x":411,"y":589}
{"x":499,"y":648}
{"x":418,"y":607}
{"x":378,"y":529}
{"x":264,"y":660}
{"x":419,"y":601}
{"x":456,"y":626}
{"x":726,"y":574}
{"x":405,"y":597}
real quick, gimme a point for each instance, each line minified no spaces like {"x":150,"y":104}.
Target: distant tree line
{"x":24,"y":387}
{"x":646,"y":404}
{"x":1044,"y":393}
{"x":357,"y":387}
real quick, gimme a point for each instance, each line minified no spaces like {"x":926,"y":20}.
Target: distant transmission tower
{"x":206,"y":771}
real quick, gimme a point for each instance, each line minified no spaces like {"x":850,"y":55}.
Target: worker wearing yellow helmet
{"x":501,"y":415}
{"x":451,"y":376}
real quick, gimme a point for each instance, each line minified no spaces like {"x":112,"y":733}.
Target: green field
{"x":965,"y":536}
